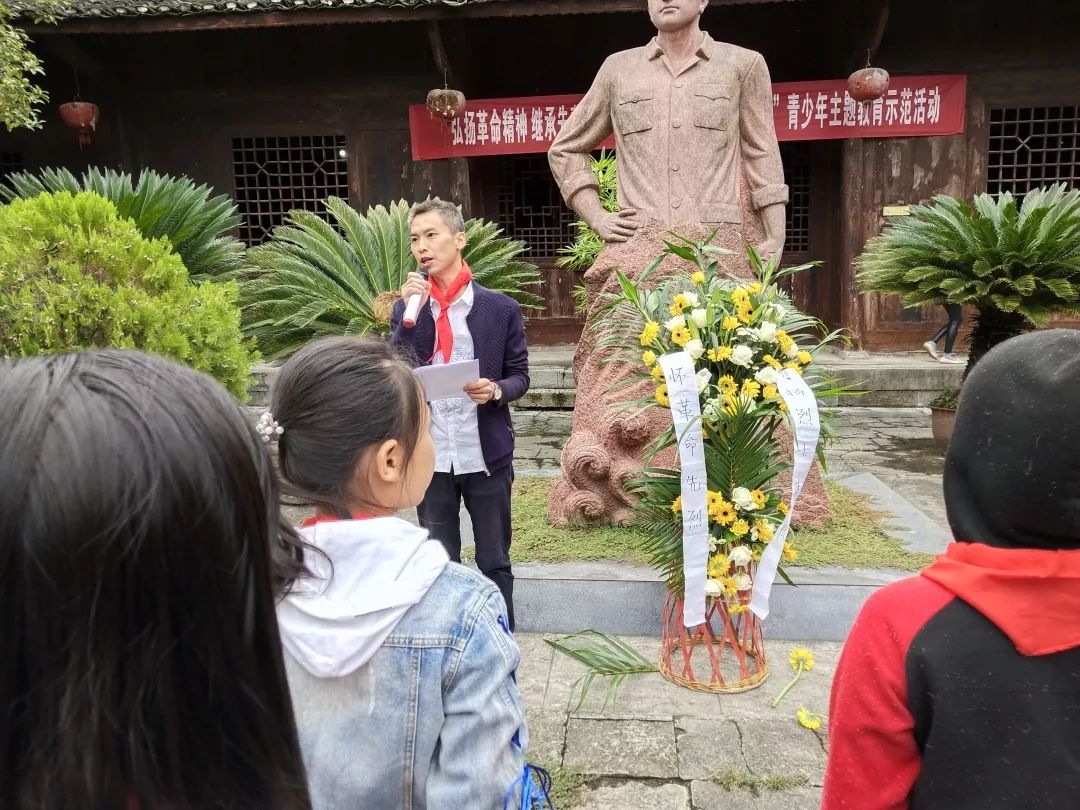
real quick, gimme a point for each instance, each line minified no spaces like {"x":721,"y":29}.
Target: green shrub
{"x":75,"y":275}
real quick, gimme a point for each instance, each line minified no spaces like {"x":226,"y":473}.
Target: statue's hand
{"x":768,"y":248}
{"x":618,"y":227}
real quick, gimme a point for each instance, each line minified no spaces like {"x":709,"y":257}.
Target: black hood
{"x":1012,"y":471}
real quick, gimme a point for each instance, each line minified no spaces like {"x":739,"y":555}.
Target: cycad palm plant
{"x":1018,"y":264}
{"x":198,"y":226}
{"x":314,"y":278}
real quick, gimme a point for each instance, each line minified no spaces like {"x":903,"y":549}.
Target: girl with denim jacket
{"x":400,"y":663}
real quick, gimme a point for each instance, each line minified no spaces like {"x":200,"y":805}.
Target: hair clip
{"x":268,"y":428}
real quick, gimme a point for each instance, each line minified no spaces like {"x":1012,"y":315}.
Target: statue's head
{"x":672,"y":15}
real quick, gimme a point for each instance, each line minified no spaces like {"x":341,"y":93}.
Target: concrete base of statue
{"x":607,"y":444}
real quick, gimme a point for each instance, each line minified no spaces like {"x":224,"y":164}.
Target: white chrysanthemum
{"x":692,"y":299}
{"x":766,"y":375}
{"x":793,"y":350}
{"x":678,"y":322}
{"x":742,"y":582}
{"x":694,"y":348}
{"x":740,"y":496}
{"x":713,"y":587}
{"x":742,"y":356}
{"x":767,"y":331}
{"x":741,"y":555}
{"x":699,"y":316}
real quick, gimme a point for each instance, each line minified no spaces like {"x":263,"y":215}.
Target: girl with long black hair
{"x":140,"y":661}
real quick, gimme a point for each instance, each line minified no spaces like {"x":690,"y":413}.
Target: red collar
{"x":311,"y":521}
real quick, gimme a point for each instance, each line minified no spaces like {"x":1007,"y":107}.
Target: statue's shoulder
{"x":625,"y":58}
{"x":741,"y":57}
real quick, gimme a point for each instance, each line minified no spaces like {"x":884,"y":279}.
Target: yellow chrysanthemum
{"x":676,"y":505}
{"x":648,"y":357}
{"x":750,"y":388}
{"x":740,"y":294}
{"x":729,"y":322}
{"x":678,"y":304}
{"x":727,"y":385}
{"x":804,"y":357}
{"x":755,"y":287}
{"x":745,"y":313}
{"x":782,"y":508}
{"x":730,"y":586}
{"x":781,"y":405}
{"x":731,"y":404}
{"x":718,"y":566}
{"x":681,"y":336}
{"x":740,"y":527}
{"x":801,"y":658}
{"x":720,"y":354}
{"x":785,"y":342}
{"x":661,"y":395}
{"x":697,"y":277}
{"x":650,"y":333}
{"x":772,"y":361}
{"x":790,"y":554}
{"x":713,"y":498}
{"x":794,"y":367}
{"x":770,"y":392}
{"x":723,"y":514}
{"x":759,"y":498}
{"x":757,"y":556}
{"x":735,"y":610}
{"x":808,"y":719}
{"x":764,"y":531}
{"x":657,"y":373}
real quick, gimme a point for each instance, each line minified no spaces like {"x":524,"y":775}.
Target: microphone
{"x":412,"y":309}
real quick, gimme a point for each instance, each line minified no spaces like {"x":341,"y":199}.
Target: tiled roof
{"x":91,"y":9}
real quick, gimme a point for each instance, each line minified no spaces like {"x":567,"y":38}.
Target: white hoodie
{"x":334,"y":622}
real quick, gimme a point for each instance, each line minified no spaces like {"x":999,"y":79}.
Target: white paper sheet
{"x":448,"y":381}
{"x":802,"y":405}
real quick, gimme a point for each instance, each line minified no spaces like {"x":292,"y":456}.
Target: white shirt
{"x":455,"y":429}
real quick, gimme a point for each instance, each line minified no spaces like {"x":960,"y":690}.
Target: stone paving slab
{"x":637,"y":748}
{"x":666,"y":796}
{"x":659,"y":745}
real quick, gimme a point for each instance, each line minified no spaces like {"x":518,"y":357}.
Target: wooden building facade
{"x":281,"y":103}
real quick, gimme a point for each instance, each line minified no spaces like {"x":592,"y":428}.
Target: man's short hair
{"x":450,"y":213}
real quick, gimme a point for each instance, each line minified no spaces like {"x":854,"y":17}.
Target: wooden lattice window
{"x":531,"y":208}
{"x":1032,"y":147}
{"x":796,"y":157}
{"x":10,"y":162}
{"x":274,"y":175}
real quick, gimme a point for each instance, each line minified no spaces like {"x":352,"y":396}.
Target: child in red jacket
{"x":960,"y":688}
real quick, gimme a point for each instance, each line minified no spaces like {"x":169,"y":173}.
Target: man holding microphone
{"x":443,"y":317}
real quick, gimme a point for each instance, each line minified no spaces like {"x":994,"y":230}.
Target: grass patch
{"x":566,"y":784}
{"x":744,"y":780}
{"x":854,"y":536}
{"x":536,"y":540}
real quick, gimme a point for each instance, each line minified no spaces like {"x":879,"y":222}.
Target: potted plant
{"x":942,"y":414}
{"x":1016,"y":263}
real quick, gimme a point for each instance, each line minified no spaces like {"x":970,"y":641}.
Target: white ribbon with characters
{"x":802,"y":405}
{"x":682,"y":386}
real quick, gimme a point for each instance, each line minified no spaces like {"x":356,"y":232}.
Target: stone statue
{"x":697,"y":153}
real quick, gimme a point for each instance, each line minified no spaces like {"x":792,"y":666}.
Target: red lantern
{"x":868,"y":83}
{"x":82,"y":116}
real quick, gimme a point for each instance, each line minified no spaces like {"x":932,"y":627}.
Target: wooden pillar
{"x":851,"y":235}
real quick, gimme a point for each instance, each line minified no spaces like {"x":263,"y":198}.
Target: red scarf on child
{"x":444,"y":333}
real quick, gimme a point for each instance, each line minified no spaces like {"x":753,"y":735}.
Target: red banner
{"x":914,"y":106}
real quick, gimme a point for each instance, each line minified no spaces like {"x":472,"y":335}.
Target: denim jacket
{"x":418,"y":710}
